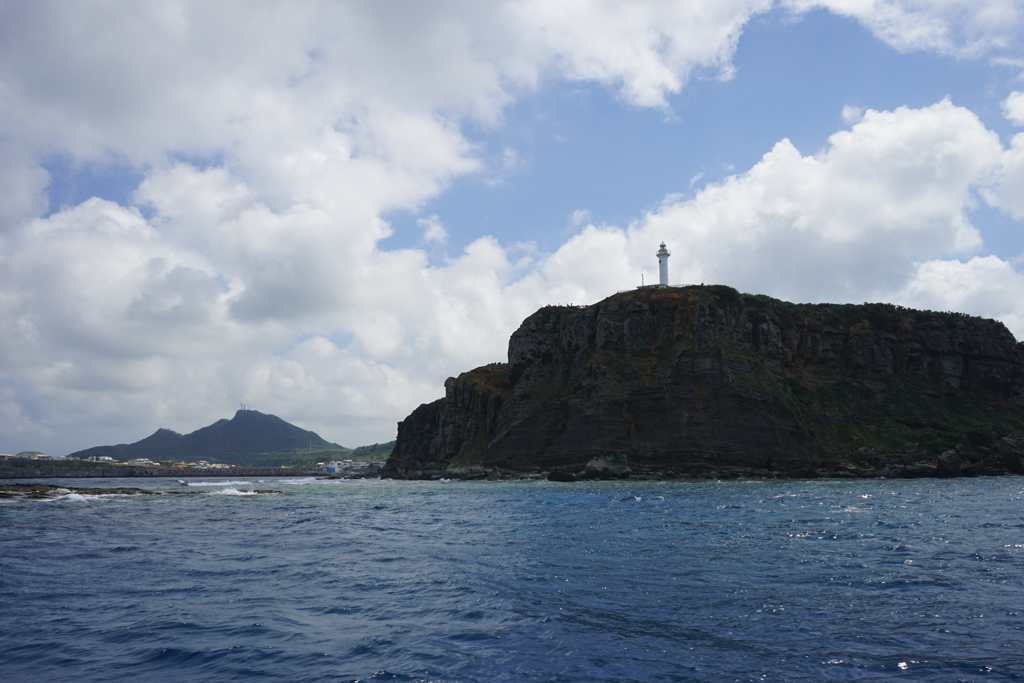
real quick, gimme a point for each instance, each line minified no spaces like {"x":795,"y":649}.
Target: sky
{"x":323,"y":209}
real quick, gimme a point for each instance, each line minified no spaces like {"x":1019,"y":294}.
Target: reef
{"x":48,"y":491}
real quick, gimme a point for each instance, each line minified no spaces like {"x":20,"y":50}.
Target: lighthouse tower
{"x":663,"y":255}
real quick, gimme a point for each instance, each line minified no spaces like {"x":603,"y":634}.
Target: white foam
{"x":216,"y":483}
{"x":230,"y":491}
{"x":72,"y":497}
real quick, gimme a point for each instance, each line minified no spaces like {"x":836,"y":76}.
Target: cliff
{"x":705,"y":380}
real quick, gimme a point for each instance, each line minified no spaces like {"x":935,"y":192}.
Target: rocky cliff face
{"x":701,"y":379}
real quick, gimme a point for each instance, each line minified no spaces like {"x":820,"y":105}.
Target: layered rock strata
{"x":705,"y":381}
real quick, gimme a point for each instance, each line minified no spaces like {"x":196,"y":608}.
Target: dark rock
{"x":808,"y":473}
{"x":607,"y":467}
{"x":967,"y":453}
{"x":1011,"y":454}
{"x":559,"y":475}
{"x":919,"y":471}
{"x":458,"y":471}
{"x":949,"y":465}
{"x":975,"y":469}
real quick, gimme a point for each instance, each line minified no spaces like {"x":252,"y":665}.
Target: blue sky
{"x":324,"y":210}
{"x":582,"y":148}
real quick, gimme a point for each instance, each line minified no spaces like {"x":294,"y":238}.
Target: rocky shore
{"x":706,"y":382}
{"x":964,"y":461}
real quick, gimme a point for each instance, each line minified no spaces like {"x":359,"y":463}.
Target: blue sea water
{"x":867,"y":580}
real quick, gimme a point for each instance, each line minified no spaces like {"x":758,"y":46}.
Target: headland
{"x":703,"y":381}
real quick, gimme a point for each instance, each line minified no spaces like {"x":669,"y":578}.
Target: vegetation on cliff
{"x":378,"y":452}
{"x":700,"y":379}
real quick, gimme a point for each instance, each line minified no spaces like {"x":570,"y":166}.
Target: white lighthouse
{"x":663,"y":255}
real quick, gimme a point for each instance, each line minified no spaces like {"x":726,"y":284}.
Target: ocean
{"x":343,"y":581}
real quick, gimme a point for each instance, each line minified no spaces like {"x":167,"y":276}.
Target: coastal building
{"x":32,"y":455}
{"x":143,"y":462}
{"x":343,"y":466}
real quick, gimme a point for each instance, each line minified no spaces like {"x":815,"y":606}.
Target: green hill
{"x":378,"y":452}
{"x":250,"y":438}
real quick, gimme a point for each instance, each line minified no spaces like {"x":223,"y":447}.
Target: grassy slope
{"x":377,"y":452}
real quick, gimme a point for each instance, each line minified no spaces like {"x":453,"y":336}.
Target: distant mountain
{"x":249,"y":438}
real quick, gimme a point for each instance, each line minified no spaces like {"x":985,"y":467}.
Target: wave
{"x":72,"y":496}
{"x":217,"y":483}
{"x":299,"y":481}
{"x":231,"y":491}
{"x":79,"y":497}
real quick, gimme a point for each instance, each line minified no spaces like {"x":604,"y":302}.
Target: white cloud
{"x":579,"y":217}
{"x":851,"y":114}
{"x":964,"y":28}
{"x":984,"y":285}
{"x":23,"y":180}
{"x":647,"y":47}
{"x":1008,"y":193}
{"x":1013,"y":108}
{"x":433,"y":229}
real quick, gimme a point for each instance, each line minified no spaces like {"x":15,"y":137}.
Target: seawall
{"x":62,"y":472}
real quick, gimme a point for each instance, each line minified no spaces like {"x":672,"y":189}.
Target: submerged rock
{"x":607,"y":467}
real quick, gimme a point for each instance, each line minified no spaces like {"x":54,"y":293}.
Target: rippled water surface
{"x":342,"y":581}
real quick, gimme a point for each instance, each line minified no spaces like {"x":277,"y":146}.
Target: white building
{"x":32,"y":455}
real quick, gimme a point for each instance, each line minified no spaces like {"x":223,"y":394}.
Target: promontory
{"x":703,"y":381}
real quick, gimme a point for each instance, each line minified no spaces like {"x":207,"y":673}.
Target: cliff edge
{"x":705,"y":381}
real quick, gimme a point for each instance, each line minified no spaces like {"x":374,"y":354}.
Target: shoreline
{"x":471,"y":473}
{"x":100,"y":472}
